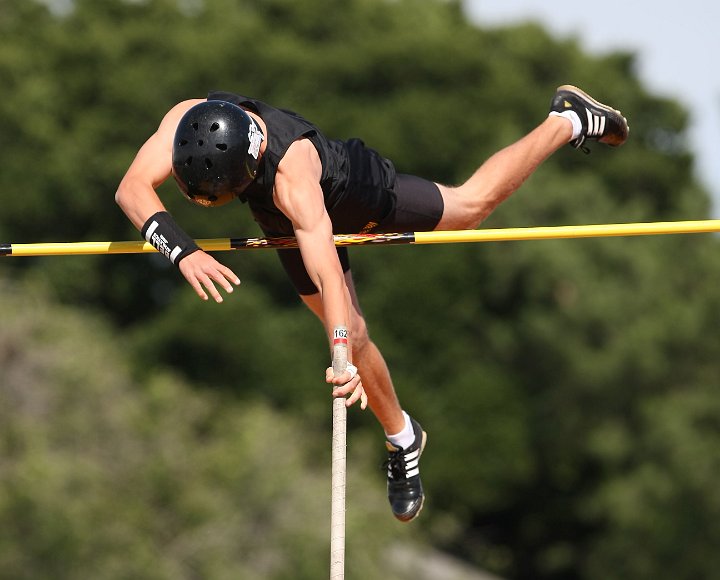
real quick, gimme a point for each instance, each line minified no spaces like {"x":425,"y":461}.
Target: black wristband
{"x":161,"y":231}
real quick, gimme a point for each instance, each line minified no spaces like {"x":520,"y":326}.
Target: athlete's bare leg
{"x":469,"y":204}
{"x":574,"y":118}
{"x":367,"y":358}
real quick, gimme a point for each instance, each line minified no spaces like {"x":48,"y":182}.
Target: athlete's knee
{"x":359,"y":334}
{"x":465,"y":207}
{"x":463,"y":210}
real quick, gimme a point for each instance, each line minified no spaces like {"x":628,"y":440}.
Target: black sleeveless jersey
{"x":356,"y":181}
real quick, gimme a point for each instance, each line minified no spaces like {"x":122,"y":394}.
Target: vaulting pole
{"x":447,"y":237}
{"x":339,"y":460}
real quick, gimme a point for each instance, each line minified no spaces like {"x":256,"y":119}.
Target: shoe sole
{"x":580,"y":93}
{"x":410,"y":517}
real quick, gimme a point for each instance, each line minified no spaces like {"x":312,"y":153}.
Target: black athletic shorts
{"x":418,"y":208}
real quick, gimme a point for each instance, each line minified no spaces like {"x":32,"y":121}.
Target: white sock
{"x":571,"y":116}
{"x":406,"y":437}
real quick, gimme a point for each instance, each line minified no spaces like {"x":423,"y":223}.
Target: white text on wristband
{"x":161,"y":231}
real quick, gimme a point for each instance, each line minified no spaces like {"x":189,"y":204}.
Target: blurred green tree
{"x":105,"y":477}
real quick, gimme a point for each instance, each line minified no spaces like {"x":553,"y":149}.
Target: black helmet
{"x":215,"y":152}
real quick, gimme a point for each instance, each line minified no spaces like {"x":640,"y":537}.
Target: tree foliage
{"x":567,"y":386}
{"x":105,"y":477}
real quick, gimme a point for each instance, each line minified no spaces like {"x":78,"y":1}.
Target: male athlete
{"x":298,"y":182}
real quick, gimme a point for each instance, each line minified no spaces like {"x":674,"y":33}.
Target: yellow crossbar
{"x":437,"y":237}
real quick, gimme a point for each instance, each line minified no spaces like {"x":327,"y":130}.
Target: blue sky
{"x":676,"y":44}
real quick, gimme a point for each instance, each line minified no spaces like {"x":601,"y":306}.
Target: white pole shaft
{"x":339,"y":450}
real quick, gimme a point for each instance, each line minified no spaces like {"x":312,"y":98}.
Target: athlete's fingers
{"x":229,"y":275}
{"x":202,"y":271}
{"x":363,"y":399}
{"x":343,"y":379}
{"x":343,"y":390}
{"x":207,"y":282}
{"x":352,"y":387}
{"x":357,"y":395}
{"x":195,"y":283}
{"x":222,"y":279}
{"x":224,"y":276}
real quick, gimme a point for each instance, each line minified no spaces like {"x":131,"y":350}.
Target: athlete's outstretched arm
{"x":299,"y":196}
{"x":137,"y":197}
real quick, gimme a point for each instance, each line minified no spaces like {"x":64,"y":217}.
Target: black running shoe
{"x":599,"y":122}
{"x":405,"y":490}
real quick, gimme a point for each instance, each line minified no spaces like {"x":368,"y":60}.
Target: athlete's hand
{"x":203,"y":271}
{"x":347,"y":383}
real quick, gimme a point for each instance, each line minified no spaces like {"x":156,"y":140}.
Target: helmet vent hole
{"x":214,"y":127}
{"x":183,"y":142}
{"x":188,"y":162}
{"x":208,"y":163}
{"x":200,"y":142}
{"x":221,"y":146}
{"x":195,"y":126}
